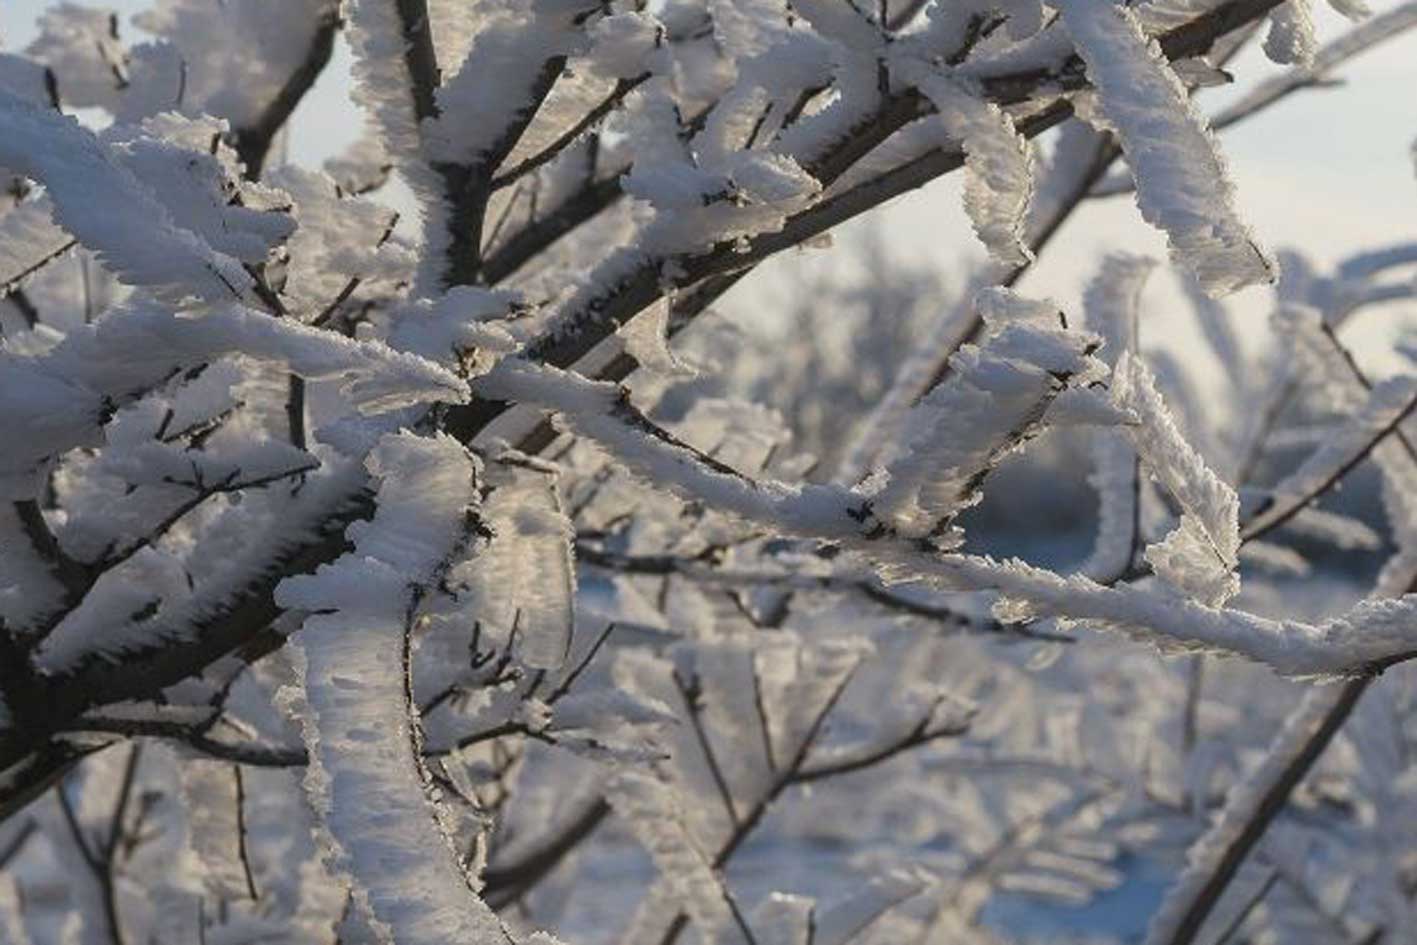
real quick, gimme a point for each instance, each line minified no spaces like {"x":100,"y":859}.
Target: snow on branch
{"x":1183,"y":186}
{"x":366,"y":774}
{"x":1387,"y":407}
{"x":999,"y":167}
{"x":59,"y":399}
{"x":522,"y":48}
{"x":722,"y":195}
{"x":1376,"y":29}
{"x":603,"y":413}
{"x":126,"y":593}
{"x":1371,"y":635}
{"x":1201,"y":556}
{"x":177,"y":554}
{"x":112,"y":211}
{"x":383,"y":85}
{"x":994,"y":400}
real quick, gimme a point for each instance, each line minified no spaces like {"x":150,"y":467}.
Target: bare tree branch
{"x":253,"y":142}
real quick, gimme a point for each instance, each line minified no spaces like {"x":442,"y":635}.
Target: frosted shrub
{"x":357,"y":583}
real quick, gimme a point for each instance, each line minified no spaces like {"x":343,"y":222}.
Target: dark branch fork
{"x":795,"y":770}
{"x":253,"y":142}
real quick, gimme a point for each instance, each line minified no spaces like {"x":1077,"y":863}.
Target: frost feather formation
{"x":993,"y":402}
{"x":1200,"y":557}
{"x":99,"y":198}
{"x":1183,"y":187}
{"x":998,"y":164}
{"x":58,"y":398}
{"x":382,"y":815}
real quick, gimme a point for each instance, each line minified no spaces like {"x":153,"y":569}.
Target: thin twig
{"x":764,"y":728}
{"x":691,"y":693}
{"x":919,"y":735}
{"x":242,"y":844}
{"x":1272,"y":515}
{"x":1248,"y":908}
{"x":622,"y":88}
{"x":565,"y":685}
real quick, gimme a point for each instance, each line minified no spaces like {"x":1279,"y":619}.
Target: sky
{"x":1328,"y":172}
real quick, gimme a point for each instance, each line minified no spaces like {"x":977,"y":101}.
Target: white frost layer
{"x":1200,"y":557}
{"x":495,"y":86}
{"x":232,"y":556}
{"x":426,"y":487}
{"x":992,"y":402}
{"x":111,"y":211}
{"x":381,"y":79}
{"x":591,"y":409}
{"x":383,"y":87}
{"x":998,"y":162}
{"x":366,"y":775}
{"x":55,"y":401}
{"x":1182,"y":183}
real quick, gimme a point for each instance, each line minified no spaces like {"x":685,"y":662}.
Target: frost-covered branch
{"x":590,"y":318}
{"x":99,"y":199}
{"x":699,"y":570}
{"x":1390,"y":405}
{"x":358,"y":679}
{"x":1373,"y":635}
{"x":1380,"y":28}
{"x":1250,"y":808}
{"x":1181,"y":178}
